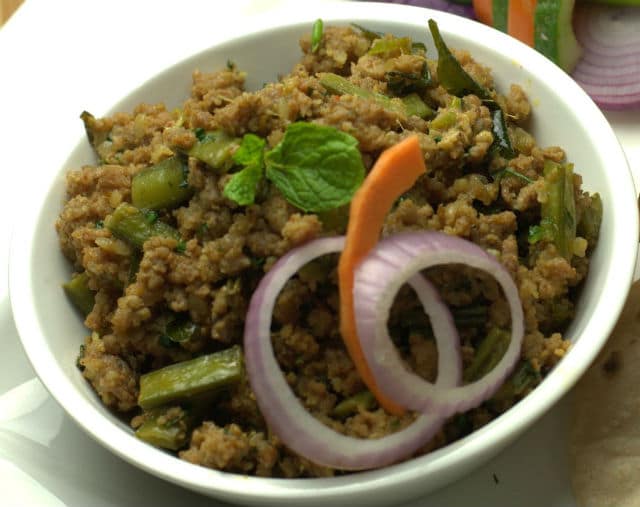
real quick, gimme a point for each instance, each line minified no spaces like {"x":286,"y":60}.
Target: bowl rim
{"x":236,"y":487}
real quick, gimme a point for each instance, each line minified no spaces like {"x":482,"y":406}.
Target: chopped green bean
{"x":351,"y":406}
{"x":131,"y":225}
{"x":316,"y":35}
{"x":470,"y":316}
{"x":180,"y":328}
{"x":589,"y":225}
{"x":407,"y":106}
{"x":401,"y":45}
{"x":415,"y":106}
{"x":558,"y":212}
{"x":184,"y":380}
{"x":79,"y":293}
{"x":488,"y":354}
{"x":524,"y":377}
{"x":445,"y":120}
{"x":215,"y":149}
{"x":162,"y":186}
{"x":166,"y":427}
{"x":94,"y":136}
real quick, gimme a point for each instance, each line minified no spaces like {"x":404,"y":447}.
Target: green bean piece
{"x":180,"y":328}
{"x":215,"y":149}
{"x":166,"y":427}
{"x":415,"y":106}
{"x":351,"y":406}
{"x":524,"y":377}
{"x":410,"y":105}
{"x":79,"y":293}
{"x":589,"y":224}
{"x":488,"y":354}
{"x":162,"y":186}
{"x":131,"y":225}
{"x":401,"y":45}
{"x":470,"y":316}
{"x":184,"y":380}
{"x":558,"y":212}
{"x":316,"y":35}
{"x":94,"y":136}
{"x":134,"y":265}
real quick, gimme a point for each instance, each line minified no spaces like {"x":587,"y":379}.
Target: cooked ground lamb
{"x":203,"y":274}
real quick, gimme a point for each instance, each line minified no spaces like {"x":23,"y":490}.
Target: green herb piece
{"x":401,"y":45}
{"x":369,"y":34}
{"x":559,"y":210}
{"x":540,"y":232}
{"x":163,"y":431}
{"x":589,"y":224}
{"x":418,"y":48}
{"x":180,"y":328}
{"x":488,"y":354}
{"x":316,"y":35}
{"x":134,"y":265}
{"x":151,"y":216}
{"x":316,"y":168}
{"x":402,"y":83}
{"x":508,"y":171}
{"x":181,"y":247}
{"x":243,"y":185}
{"x":78,"y":292}
{"x":351,"y":406}
{"x":501,"y":141}
{"x":99,"y":224}
{"x":412,"y":104}
{"x":451,"y":75}
{"x":458,"y":82}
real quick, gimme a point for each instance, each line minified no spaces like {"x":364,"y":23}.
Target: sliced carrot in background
{"x":520,"y":20}
{"x":395,"y":172}
{"x":484,"y":11}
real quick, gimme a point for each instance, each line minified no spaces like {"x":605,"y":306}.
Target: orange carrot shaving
{"x":484,"y":11}
{"x":395,"y":172}
{"x":520,"y":20}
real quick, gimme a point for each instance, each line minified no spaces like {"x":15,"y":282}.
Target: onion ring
{"x":284,"y":413}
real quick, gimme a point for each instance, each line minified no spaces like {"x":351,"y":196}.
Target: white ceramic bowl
{"x":562,"y":115}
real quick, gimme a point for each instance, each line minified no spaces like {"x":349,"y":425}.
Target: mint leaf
{"x":242,"y":186}
{"x":317,"y":168}
{"x":251,"y":150}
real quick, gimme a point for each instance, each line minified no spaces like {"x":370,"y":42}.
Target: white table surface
{"x":57,"y":57}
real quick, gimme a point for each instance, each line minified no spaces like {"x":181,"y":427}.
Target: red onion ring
{"x":379,"y":277}
{"x":283,"y":411}
{"x":609,"y":70}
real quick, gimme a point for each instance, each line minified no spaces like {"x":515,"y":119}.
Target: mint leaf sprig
{"x":317,"y":168}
